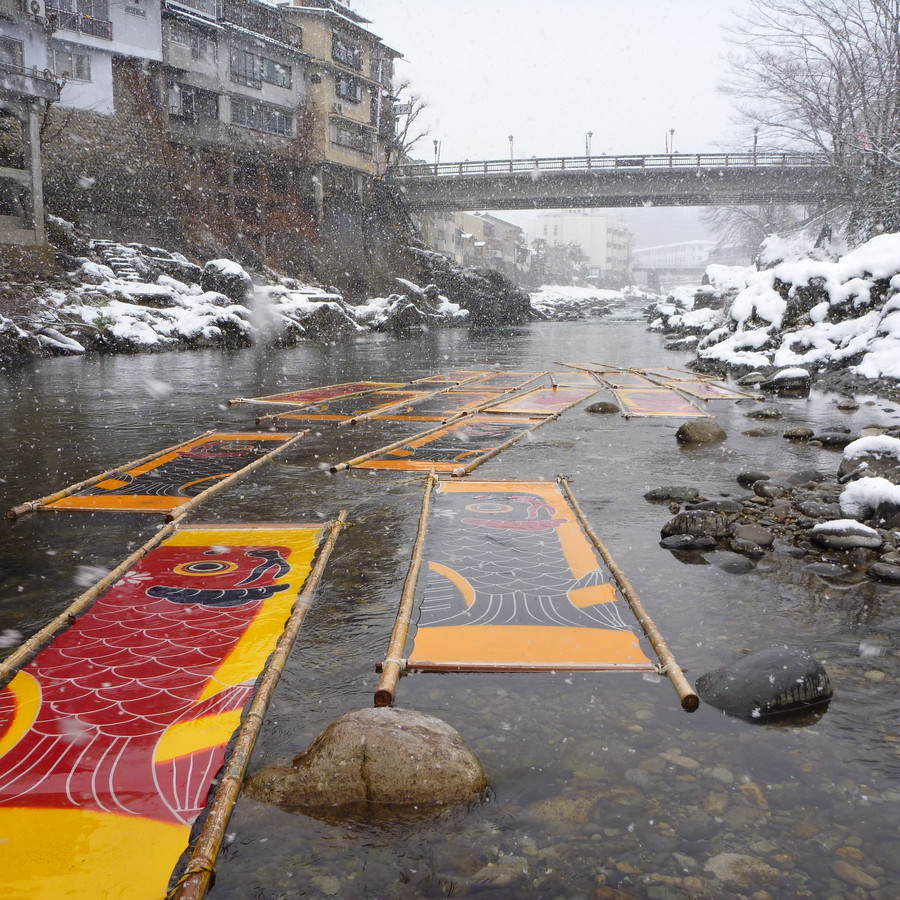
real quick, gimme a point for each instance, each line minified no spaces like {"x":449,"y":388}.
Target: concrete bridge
{"x":671,"y":179}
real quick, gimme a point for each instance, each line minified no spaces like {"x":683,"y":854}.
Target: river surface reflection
{"x":599,"y":781}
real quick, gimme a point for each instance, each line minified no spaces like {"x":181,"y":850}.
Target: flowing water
{"x":599,"y":782}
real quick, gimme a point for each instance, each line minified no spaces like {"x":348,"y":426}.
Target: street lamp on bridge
{"x":671,"y":140}
{"x":587,"y":144}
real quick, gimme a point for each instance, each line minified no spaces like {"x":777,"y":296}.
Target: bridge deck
{"x":701,"y":179}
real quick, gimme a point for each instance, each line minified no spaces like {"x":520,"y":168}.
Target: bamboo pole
{"x":339,"y":467}
{"x":33,"y":505}
{"x":392,"y":667}
{"x":689,"y":699}
{"x":182,"y":510}
{"x":202,"y":863}
{"x":462,"y":471}
{"x":28,"y":650}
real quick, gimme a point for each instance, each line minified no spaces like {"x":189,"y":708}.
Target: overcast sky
{"x":547,"y":73}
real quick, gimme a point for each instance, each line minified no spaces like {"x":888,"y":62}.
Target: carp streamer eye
{"x":489,"y":507}
{"x":206,"y":567}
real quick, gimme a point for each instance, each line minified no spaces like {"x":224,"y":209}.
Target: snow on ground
{"x":803,"y":311}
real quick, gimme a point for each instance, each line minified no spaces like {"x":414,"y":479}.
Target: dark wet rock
{"x":746,"y":548}
{"x":758,"y":535}
{"x":848,"y":405}
{"x":603,"y":406}
{"x":846,"y":534}
{"x":749,"y":478}
{"x":721,"y":506}
{"x":733,"y":563}
{"x":698,"y":523}
{"x":762,"y":431}
{"x":799,"y":433}
{"x":376,"y":756}
{"x":226,"y":277}
{"x":806,"y":476}
{"x":700,"y":431}
{"x":882,"y":571}
{"x":771,"y":489}
{"x":687,"y":542}
{"x":677,"y":493}
{"x":833,"y":438}
{"x":699,"y":827}
{"x":751,"y":378}
{"x":328,"y":322}
{"x":764,"y":412}
{"x":772,"y":681}
{"x":815,"y":509}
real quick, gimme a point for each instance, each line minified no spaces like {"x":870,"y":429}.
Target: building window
{"x":253,"y":16}
{"x":343,"y":134}
{"x":261,"y":117}
{"x":11,"y":52}
{"x":343,"y":51}
{"x":201,"y":46}
{"x":193,"y":103}
{"x":245,"y":68}
{"x":135,"y":11}
{"x":70,"y":64}
{"x":348,"y":88}
{"x":87,"y":16}
{"x":275,"y":73}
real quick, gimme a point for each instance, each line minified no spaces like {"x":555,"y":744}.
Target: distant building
{"x":476,"y":239}
{"x":605,"y":242}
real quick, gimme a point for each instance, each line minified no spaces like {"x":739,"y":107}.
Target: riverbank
{"x":834,"y":320}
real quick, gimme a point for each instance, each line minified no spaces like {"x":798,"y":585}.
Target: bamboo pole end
{"x":383,"y":697}
{"x":22,"y":509}
{"x":690,"y":702}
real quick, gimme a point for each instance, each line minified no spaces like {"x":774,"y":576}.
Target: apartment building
{"x":26,"y":91}
{"x":349,"y":87}
{"x":606,"y":242}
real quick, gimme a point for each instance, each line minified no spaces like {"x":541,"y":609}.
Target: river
{"x":599,"y":782}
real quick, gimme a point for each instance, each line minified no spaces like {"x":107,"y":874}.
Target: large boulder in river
{"x":700,"y":431}
{"x":770,"y":682}
{"x":224,"y":276}
{"x":376,"y":756}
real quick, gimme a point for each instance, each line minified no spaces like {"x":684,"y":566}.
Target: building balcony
{"x":28,"y":82}
{"x":75,"y":21}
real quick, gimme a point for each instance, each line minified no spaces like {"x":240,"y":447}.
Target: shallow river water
{"x":601,"y":785}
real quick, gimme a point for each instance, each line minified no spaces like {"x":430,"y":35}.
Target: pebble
{"x":800,"y":433}
{"x":882,"y":571}
{"x":853,"y":874}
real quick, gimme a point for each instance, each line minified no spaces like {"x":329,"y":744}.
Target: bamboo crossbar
{"x":201,"y":865}
{"x":29,"y":649}
{"x":33,"y":505}
{"x":462,"y":471}
{"x":392,"y":667}
{"x":689,"y":699}
{"x":339,"y":467}
{"x":185,"y":508}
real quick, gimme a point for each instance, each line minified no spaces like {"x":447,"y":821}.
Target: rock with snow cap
{"x":845,"y":534}
{"x":227,"y":277}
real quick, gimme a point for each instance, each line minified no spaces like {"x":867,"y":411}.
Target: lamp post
{"x":671,"y":140}
{"x":437,"y":154}
{"x":510,"y":153}
{"x":755,"y":138}
{"x":587,"y":144}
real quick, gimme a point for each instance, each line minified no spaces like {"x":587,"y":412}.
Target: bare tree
{"x":824,"y":75}
{"x":408,"y":108}
{"x":746,"y":227}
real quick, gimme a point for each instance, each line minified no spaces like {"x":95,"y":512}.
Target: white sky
{"x":549,"y":72}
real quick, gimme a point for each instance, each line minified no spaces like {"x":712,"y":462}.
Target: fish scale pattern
{"x":507,"y":551}
{"x":116,"y":681}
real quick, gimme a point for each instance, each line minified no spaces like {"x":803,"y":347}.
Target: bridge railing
{"x":595,"y":163}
